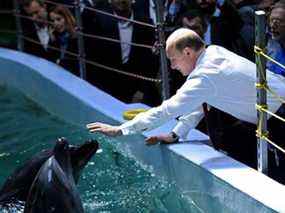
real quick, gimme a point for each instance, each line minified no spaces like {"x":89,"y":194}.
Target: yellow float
{"x":130,"y":114}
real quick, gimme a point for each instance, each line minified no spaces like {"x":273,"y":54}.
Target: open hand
{"x":104,"y":128}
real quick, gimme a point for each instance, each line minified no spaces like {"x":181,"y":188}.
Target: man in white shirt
{"x":216,"y":76}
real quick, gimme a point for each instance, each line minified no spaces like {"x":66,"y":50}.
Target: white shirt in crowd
{"x":207,"y":36}
{"x":85,"y":3}
{"x":43,"y":35}
{"x":217,"y":13}
{"x":152,"y":11}
{"x":126,"y":32}
{"x":221,"y":79}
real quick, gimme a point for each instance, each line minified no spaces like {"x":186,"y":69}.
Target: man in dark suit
{"x":122,"y":55}
{"x":224,"y":25}
{"x":36,"y":30}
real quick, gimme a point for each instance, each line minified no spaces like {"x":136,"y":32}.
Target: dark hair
{"x":279,"y":4}
{"x":68,"y":17}
{"x":27,"y":3}
{"x":190,"y":14}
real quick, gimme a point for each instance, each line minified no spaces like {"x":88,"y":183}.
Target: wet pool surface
{"x":111,"y":182}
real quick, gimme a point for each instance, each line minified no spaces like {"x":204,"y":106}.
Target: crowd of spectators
{"x":218,"y":22}
{"x":227,"y":23}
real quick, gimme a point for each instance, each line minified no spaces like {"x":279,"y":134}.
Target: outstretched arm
{"x":104,"y":128}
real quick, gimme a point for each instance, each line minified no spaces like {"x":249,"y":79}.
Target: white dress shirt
{"x":207,"y":36}
{"x":126,"y":33}
{"x":217,"y":13}
{"x":152,"y":11}
{"x":223,"y":80}
{"x":43,"y":36}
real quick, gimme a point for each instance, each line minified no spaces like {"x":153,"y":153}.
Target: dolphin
{"x":54,"y":189}
{"x":16,"y":189}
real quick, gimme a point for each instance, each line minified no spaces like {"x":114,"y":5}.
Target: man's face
{"x":37,"y":12}
{"x":122,"y":6}
{"x":207,"y":6}
{"x":182,"y":61}
{"x":277,"y":24}
{"x":194,"y":24}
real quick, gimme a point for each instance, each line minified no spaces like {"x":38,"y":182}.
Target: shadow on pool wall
{"x":198,"y":170}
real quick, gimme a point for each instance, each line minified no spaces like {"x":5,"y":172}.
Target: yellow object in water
{"x":130,"y":114}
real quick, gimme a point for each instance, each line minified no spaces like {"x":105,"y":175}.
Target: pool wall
{"x":211,"y":180}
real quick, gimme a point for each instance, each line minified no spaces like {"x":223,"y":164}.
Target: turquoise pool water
{"x":111,"y":182}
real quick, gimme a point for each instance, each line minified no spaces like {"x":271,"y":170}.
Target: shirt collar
{"x":124,"y":23}
{"x":217,"y":12}
{"x":38,"y":28}
{"x":151,"y":4}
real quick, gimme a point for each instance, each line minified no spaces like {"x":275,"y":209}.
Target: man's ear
{"x":187,"y":51}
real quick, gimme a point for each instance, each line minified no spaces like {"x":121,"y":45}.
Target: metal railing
{"x":260,"y":41}
{"x":262,"y":89}
{"x":80,"y":36}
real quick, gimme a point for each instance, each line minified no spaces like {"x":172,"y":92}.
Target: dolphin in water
{"x":55,"y":171}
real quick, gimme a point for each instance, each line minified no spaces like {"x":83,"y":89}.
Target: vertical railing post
{"x":161,"y":39}
{"x":260,"y":43}
{"x":80,"y":40}
{"x":19,"y":31}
